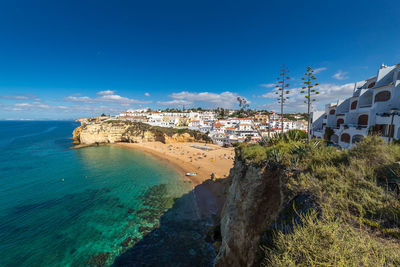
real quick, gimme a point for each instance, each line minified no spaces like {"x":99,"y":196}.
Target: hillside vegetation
{"x":354,"y":219}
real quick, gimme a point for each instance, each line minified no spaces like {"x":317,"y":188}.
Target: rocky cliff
{"x":257,"y":205}
{"x":132,"y":132}
{"x":252,"y":204}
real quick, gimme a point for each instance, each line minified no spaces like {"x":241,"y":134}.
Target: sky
{"x":70,"y":59}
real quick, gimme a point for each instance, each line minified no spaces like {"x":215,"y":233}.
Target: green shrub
{"x":251,"y":152}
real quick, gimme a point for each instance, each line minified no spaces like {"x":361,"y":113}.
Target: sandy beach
{"x":210,"y":194}
{"x":186,"y":157}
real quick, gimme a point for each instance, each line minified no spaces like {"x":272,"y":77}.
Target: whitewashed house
{"x":374,"y":107}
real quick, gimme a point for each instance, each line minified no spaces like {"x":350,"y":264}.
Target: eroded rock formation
{"x":132,"y":132}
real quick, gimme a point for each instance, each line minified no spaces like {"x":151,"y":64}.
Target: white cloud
{"x":176,"y":102}
{"x":19,"y":97}
{"x":340,"y":75}
{"x":79,"y":98}
{"x":224,"y":100}
{"x":327,"y":93}
{"x":318,"y":70}
{"x":22,"y":106}
{"x":106,"y":92}
{"x":146,"y":94}
{"x":42,"y":106}
{"x":106,"y":96}
{"x":268,"y":85}
{"x":120,"y":99}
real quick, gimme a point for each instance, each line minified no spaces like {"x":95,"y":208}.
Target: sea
{"x":93,"y":206}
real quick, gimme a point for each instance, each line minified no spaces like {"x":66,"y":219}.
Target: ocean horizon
{"x":87,"y":207}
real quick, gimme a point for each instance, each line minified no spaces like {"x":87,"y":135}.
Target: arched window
{"x":363,"y":120}
{"x":345,"y":138}
{"x":339,"y":121}
{"x":371,"y":85}
{"x":332,"y":112}
{"x":354,"y":104}
{"x":382,"y":96}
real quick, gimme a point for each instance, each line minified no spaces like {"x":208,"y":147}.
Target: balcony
{"x":356,"y":126}
{"x":365,"y":105}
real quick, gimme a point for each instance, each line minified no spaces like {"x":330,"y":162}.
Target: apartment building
{"x":373,"y":108}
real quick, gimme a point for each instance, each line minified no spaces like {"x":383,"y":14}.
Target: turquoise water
{"x":82,"y":207}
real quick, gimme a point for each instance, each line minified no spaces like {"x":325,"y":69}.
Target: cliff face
{"x":252,"y":204}
{"x":123,"y":131}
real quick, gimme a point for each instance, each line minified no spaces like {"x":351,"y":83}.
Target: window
{"x":382,"y":96}
{"x":339,"y":121}
{"x":363,"y":120}
{"x":371,"y":85}
{"x":354,"y":105}
{"x":332,"y":112}
{"x":357,"y":138}
{"x":345,"y":138}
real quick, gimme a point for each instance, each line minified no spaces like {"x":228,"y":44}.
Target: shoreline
{"x":210,"y":195}
{"x":184,"y":158}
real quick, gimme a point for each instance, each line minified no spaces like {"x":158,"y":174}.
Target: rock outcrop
{"x":132,"y":132}
{"x":253,"y":203}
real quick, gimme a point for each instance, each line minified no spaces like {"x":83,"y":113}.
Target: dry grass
{"x":358,"y":221}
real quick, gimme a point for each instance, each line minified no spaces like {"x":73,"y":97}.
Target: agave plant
{"x":292,"y":135}
{"x":276,"y":155}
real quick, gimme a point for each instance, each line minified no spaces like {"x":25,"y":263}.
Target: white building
{"x":373,"y":108}
{"x":287,"y":124}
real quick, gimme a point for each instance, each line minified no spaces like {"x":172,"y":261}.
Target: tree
{"x":242,"y":102}
{"x":310,"y":90}
{"x":283,"y":91}
{"x":221,"y":112}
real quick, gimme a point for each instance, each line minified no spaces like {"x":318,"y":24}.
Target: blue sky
{"x":70,"y":59}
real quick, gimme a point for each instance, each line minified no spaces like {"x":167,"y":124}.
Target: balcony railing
{"x":357,"y":126}
{"x":365,"y":105}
